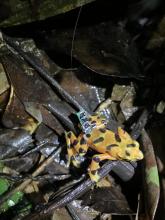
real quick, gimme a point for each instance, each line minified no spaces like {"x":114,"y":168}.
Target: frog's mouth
{"x":140,"y":156}
{"x":135,"y":156}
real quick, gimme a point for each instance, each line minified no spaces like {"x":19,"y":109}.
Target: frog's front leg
{"x":75,"y":147}
{"x":94,"y":166}
{"x":105,"y":104}
{"x":69,"y":136}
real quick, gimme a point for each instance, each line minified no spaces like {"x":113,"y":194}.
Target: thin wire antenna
{"x":74,"y":34}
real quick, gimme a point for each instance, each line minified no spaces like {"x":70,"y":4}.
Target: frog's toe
{"x":76,"y":163}
{"x":94,"y":176}
{"x":68,"y":164}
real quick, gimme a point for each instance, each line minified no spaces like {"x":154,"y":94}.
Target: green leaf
{"x":4,"y":185}
{"x":14,"y":199}
{"x":152,"y":176}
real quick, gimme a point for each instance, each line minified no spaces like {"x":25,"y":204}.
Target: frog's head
{"x":98,"y":120}
{"x":129,"y":148}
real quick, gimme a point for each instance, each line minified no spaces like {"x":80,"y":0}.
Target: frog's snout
{"x":140,"y":155}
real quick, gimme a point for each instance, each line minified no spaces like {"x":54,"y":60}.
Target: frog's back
{"x":102,"y":140}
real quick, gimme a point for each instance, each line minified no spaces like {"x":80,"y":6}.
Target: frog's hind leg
{"x":94,"y":166}
{"x":81,"y":147}
{"x":75,"y":147}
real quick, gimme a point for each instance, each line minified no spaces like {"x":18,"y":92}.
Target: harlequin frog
{"x":109,"y":145}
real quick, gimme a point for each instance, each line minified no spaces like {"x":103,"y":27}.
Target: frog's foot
{"x":94,"y":175}
{"x":72,"y":160}
{"x":75,"y":162}
{"x":71,"y":153}
{"x":93,"y":168}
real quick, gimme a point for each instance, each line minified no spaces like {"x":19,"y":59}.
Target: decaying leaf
{"x":13,"y":142}
{"x":108,"y":200}
{"x":127,"y":104}
{"x":157,"y":134}
{"x":151,"y":178}
{"x":4,"y":85}
{"x":83,"y":212}
{"x":61,"y":214}
{"x":29,"y":46}
{"x":103,"y":48}
{"x":158,"y":37}
{"x":21,"y":164}
{"x":34,"y":85}
{"x":21,"y":12}
{"x":4,"y":98}
{"x":83,"y":88}
{"x":15,"y":115}
{"x":118,"y":92}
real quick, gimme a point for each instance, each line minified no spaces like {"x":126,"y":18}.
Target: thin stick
{"x":74,"y":34}
{"x":78,"y":191}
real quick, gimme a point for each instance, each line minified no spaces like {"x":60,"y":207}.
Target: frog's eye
{"x":131,"y":145}
{"x":134,"y":144}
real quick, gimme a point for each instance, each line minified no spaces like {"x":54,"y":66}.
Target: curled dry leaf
{"x":15,"y":115}
{"x":21,"y":12}
{"x":4,"y":84}
{"x":13,"y":142}
{"x":82,"y":87}
{"x":104,"y":48}
{"x":108,"y":200}
{"x":151,"y":178}
{"x":31,"y":93}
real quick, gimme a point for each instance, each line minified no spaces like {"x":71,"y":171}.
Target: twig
{"x":72,"y":212}
{"x":65,"y":120}
{"x":36,"y":148}
{"x":18,"y":178}
{"x":77,"y":192}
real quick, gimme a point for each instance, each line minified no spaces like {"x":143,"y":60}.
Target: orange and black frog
{"x":109,"y":145}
